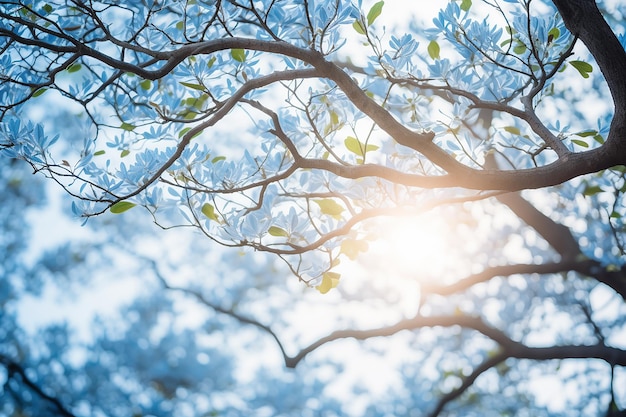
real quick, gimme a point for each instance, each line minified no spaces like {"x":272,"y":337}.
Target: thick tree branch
{"x":584,"y":20}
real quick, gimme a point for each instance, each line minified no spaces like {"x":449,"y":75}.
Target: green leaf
{"x":329,"y":281}
{"x":47,"y":8}
{"x":98,"y":153}
{"x":580,"y":143}
{"x":354,"y":145}
{"x":209,"y":211}
{"x":592,"y":190}
{"x":39,"y":92}
{"x":553,"y":34}
{"x":329,"y":206}
{"x":124,"y":153}
{"x":180,"y":25}
{"x":433,"y":49}
{"x":74,"y":67}
{"x":127,"y":126}
{"x":587,"y":133}
{"x":199,"y":87}
{"x":358,"y":26}
{"x":217,"y":159}
{"x":598,"y":138}
{"x":121,"y":207}
{"x":352,"y":247}
{"x":238,"y":55}
{"x":146,"y":84}
{"x":512,"y":129}
{"x":334,"y":118}
{"x":374,"y":12}
{"x":211,"y":61}
{"x":520,"y":48}
{"x":584,"y":68}
{"x":466,"y":4}
{"x":277,"y":231}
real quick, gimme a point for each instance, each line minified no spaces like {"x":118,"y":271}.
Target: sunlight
{"x":406,"y":252}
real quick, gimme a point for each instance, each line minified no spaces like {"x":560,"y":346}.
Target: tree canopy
{"x":308,"y":131}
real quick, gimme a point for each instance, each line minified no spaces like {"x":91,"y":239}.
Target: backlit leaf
{"x":512,"y":129}
{"x":74,"y":68}
{"x":127,"y":126}
{"x":374,"y":12}
{"x":277,"y":231}
{"x":121,"y":207}
{"x":209,"y":211}
{"x":354,"y":145}
{"x":584,"y":68}
{"x":329,"y":206}
{"x":358,"y":26}
{"x":580,"y":143}
{"x":592,"y":190}
{"x":466,"y":4}
{"x":194,"y":85}
{"x":329,"y":281}
{"x":238,"y":55}
{"x":352,"y":247}
{"x":433,"y":49}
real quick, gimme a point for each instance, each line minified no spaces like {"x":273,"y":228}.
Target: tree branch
{"x":13,"y":369}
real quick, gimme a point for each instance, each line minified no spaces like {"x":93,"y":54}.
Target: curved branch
{"x":468,"y":382}
{"x":13,"y":368}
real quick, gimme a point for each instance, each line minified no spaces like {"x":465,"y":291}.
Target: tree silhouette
{"x":290,"y":127}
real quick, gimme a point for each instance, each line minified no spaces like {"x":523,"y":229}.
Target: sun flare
{"x":405,"y":253}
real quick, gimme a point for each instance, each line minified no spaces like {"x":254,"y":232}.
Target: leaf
{"x":580,"y":143}
{"x":211,"y":62}
{"x":124,"y":153}
{"x":598,"y":138}
{"x":592,"y":190}
{"x":466,"y":4}
{"x":98,"y":153}
{"x":39,"y":92}
{"x":209,"y":211}
{"x":374,"y":12}
{"x":238,"y":55}
{"x":127,"y":127}
{"x":217,"y":159}
{"x":584,"y":68}
{"x":74,"y":68}
{"x":329,"y":281}
{"x":358,"y":26}
{"x":520,"y":48}
{"x":512,"y":129}
{"x":553,"y":34}
{"x":352,"y":247}
{"x":329,"y":206}
{"x":199,"y":87}
{"x":121,"y":207}
{"x":433,"y":49}
{"x":354,"y":145}
{"x":587,"y":133}
{"x":47,"y":8}
{"x":277,"y":231}
{"x":146,"y":84}
{"x":180,"y":25}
